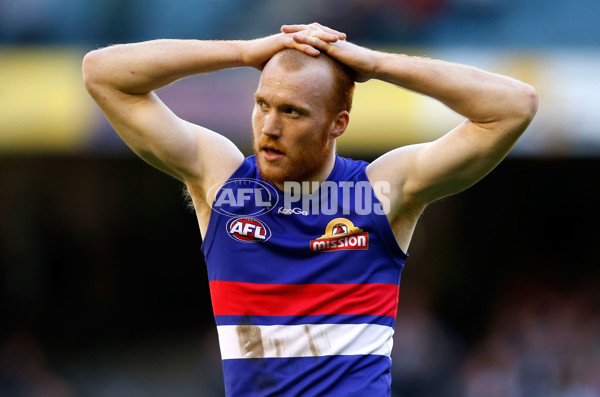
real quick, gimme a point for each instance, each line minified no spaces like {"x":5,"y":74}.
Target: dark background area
{"x":102,"y":252}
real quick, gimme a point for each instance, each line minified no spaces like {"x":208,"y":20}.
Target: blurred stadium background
{"x":103,"y":286}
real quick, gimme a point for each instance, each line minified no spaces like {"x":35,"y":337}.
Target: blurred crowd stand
{"x":383,"y":22}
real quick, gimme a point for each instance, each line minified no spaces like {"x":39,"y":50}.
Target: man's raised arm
{"x":122,"y":78}
{"x":497,"y":109}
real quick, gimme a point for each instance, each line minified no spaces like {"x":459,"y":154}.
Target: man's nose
{"x":272,"y":125}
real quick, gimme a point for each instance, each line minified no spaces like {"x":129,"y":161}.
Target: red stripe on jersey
{"x":238,"y":298}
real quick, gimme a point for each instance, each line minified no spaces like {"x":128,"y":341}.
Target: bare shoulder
{"x":389,"y":175}
{"x":219,"y":158}
{"x":394,"y":169}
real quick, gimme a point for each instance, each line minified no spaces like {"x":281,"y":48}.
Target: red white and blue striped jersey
{"x":305,"y":303}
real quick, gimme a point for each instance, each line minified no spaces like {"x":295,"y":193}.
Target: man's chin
{"x":273,"y":173}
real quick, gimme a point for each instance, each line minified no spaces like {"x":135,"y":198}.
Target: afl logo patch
{"x":248,"y":230}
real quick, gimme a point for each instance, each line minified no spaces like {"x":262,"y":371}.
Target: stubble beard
{"x":304,"y":166}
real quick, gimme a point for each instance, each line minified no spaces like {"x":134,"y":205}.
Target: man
{"x":305,"y":295}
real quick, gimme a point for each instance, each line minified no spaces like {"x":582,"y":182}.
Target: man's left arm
{"x":497,"y":109}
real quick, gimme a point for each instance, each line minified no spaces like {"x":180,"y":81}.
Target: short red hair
{"x":342,"y":84}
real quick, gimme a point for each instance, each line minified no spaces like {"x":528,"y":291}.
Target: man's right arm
{"x":122,"y":80}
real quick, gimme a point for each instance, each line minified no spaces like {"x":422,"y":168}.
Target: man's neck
{"x":315,"y":180}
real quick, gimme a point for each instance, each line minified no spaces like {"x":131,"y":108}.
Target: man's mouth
{"x":270,"y":149}
{"x":272,"y":154}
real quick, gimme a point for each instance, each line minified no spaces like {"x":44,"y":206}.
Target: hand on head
{"x":312,"y":39}
{"x":316,"y":38}
{"x":315,"y":29}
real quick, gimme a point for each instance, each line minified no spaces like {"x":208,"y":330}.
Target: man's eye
{"x":292,"y":111}
{"x":261,"y":104}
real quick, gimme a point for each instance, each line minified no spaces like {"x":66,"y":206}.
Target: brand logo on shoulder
{"x":248,"y":230}
{"x":292,"y":211}
{"x":341,"y":234}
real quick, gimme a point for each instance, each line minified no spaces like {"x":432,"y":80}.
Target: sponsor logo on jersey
{"x":341,"y":234}
{"x":248,"y":230}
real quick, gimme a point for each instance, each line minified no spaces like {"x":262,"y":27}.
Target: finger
{"x":310,"y":50}
{"x":320,"y":34}
{"x":325,"y":36}
{"x":315,"y":26}
{"x":293,"y":28}
{"x":307,"y":49}
{"x":340,"y":35}
{"x":312,"y":41}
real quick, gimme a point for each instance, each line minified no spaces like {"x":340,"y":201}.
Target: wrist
{"x":378,"y":65}
{"x":255,"y":53}
{"x":244,"y":52}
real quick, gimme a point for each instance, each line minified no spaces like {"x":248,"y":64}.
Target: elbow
{"x":532,"y":99}
{"x":528,"y":103}
{"x":91,"y":70}
{"x":520,"y":105}
{"x":88,"y":68}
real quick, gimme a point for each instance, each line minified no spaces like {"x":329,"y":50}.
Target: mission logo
{"x":341,"y":234}
{"x":248,"y":230}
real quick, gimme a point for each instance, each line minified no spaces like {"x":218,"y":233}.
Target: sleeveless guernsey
{"x":304,"y":301}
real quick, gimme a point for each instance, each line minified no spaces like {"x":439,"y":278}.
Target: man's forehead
{"x":310,"y":75}
{"x":304,"y":86}
{"x":294,"y":60}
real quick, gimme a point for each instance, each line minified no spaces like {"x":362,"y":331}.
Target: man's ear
{"x":339,"y":124}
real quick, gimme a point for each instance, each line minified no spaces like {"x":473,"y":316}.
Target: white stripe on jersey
{"x":269,"y":341}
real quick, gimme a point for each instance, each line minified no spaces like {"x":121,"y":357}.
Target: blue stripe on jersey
{"x":300,"y":320}
{"x":331,"y":376}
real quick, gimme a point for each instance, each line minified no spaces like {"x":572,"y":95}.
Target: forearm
{"x":480,"y":96}
{"x":142,"y":67}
